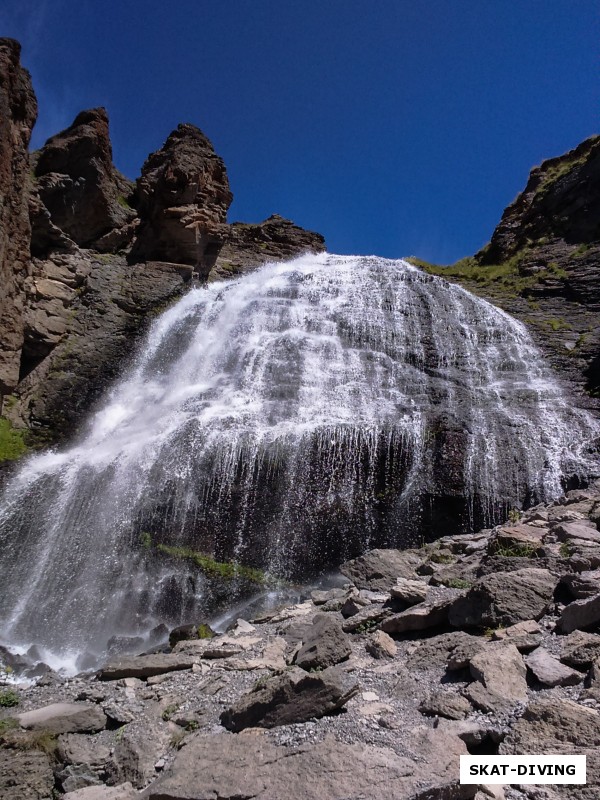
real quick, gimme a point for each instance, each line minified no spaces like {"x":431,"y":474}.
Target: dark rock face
{"x":183,"y":197}
{"x":561,"y":201}
{"x":275,"y":239}
{"x":77,"y":182}
{"x":88,"y":333}
{"x":18,"y":112}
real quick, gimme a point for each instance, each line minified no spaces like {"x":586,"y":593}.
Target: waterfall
{"x":284,"y":420}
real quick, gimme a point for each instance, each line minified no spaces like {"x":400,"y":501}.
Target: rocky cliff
{"x":18,"y":112}
{"x":543,"y":261}
{"x":87,"y":257}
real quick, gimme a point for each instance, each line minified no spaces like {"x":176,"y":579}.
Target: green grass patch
{"x":505,"y":280}
{"x":441,"y":558}
{"x":123,"y":202}
{"x":558,"y":324}
{"x":8,"y":724}
{"x":514,"y":551}
{"x":457,"y":583}
{"x":580,"y":250}
{"x":9,"y":698}
{"x":565,"y":550}
{"x":13,"y":443}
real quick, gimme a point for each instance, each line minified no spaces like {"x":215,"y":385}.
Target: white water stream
{"x":287,"y":419}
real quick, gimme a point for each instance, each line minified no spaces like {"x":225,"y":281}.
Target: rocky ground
{"x":487,"y":643}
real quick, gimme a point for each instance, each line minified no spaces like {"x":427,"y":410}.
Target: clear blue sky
{"x":394,"y":127}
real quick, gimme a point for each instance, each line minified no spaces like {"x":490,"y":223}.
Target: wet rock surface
{"x":396,"y":712}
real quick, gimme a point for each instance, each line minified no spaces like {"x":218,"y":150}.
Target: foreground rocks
{"x":299,"y":701}
{"x":248,"y":767}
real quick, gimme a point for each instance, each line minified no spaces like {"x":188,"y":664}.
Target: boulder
{"x":380,"y":645}
{"x":500,"y":668}
{"x":525,"y":636}
{"x":517,"y":540}
{"x":78,"y":183}
{"x":580,"y":614}
{"x":433,"y":653}
{"x":320,"y":596}
{"x":445,"y":704}
{"x":409,"y":591}
{"x":77,"y":748}
{"x":252,"y":768}
{"x":64,"y":718}
{"x":144,"y":666}
{"x":379,"y":569}
{"x":581,"y":585}
{"x":366,"y":618}
{"x":294,"y":696}
{"x":549,"y":671}
{"x":502,"y":599}
{"x":580,"y":649}
{"x":583,"y":530}
{"x":418,"y":618}
{"x":136,"y":751}
{"x":324,"y":645}
{"x":555,"y":725}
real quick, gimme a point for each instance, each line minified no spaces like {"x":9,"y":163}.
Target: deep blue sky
{"x":394,"y":127}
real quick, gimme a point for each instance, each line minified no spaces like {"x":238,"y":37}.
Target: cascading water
{"x":285,"y":420}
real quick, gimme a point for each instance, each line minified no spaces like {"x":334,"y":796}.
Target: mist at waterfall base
{"x":284,"y":421}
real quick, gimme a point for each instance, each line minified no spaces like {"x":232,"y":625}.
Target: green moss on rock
{"x":227,"y":570}
{"x":13,"y":442}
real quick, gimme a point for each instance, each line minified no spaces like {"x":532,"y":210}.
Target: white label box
{"x":523,"y":769}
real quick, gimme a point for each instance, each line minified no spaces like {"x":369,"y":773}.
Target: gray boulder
{"x":379,"y":569}
{"x":64,"y":718}
{"x":418,"y":618}
{"x":501,"y":599}
{"x":580,"y":649}
{"x":325,"y":644}
{"x":445,"y":704}
{"x":293,"y":696}
{"x":563,"y":727}
{"x":144,"y":666}
{"x":500,"y":668}
{"x":252,"y":768}
{"x":580,"y":614}
{"x":549,"y":671}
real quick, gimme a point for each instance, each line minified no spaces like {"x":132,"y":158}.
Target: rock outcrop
{"x":183,"y":196}
{"x":275,"y":239}
{"x":77,"y":182}
{"x":18,"y":112}
{"x":87,"y":257}
{"x":542,"y":264}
